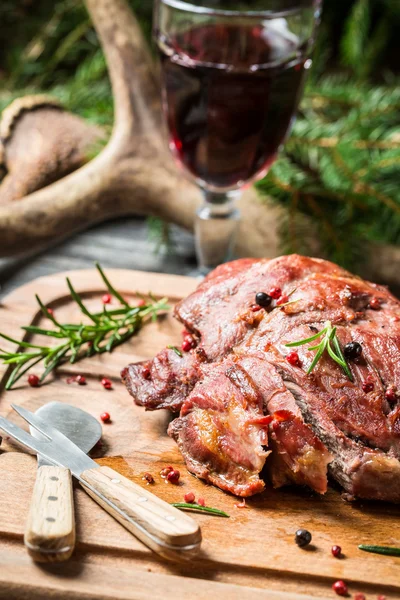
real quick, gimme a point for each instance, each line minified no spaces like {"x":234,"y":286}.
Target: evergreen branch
{"x":355,"y":36}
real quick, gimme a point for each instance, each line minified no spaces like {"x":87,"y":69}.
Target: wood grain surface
{"x":250,"y":555}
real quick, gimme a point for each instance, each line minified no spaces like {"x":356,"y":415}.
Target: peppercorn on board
{"x":250,"y":555}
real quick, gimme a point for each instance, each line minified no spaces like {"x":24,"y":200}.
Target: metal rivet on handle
{"x":54,"y":478}
{"x":52,"y":498}
{"x":142,"y":499}
{"x":50,"y":519}
{"x":115,"y":481}
{"x":170,"y":518}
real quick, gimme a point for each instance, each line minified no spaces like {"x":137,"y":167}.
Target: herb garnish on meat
{"x":329,"y":343}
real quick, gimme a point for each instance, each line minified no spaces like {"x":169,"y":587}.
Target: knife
{"x":50,"y":529}
{"x":160,"y":526}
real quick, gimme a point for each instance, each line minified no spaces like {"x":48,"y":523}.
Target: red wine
{"x":230,"y":93}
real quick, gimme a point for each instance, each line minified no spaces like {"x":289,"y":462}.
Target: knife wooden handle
{"x":160,"y":526}
{"x":50,"y":529}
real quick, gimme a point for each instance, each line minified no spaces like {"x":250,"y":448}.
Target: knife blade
{"x":162,"y":527}
{"x":76,"y":424}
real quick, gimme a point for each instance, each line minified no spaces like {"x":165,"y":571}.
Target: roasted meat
{"x":243,"y":408}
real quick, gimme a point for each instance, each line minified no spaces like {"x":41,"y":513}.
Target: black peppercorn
{"x":302,"y":537}
{"x":263,"y":299}
{"x":352,"y":350}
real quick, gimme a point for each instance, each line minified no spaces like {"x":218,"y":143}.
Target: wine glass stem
{"x":216,"y":227}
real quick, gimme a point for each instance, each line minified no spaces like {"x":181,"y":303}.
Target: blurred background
{"x":341,"y":165}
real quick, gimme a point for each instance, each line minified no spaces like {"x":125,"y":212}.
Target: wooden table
{"x":124,"y":243}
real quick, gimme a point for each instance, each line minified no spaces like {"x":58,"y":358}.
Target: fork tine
{"x":21,"y":436}
{"x":33,"y":420}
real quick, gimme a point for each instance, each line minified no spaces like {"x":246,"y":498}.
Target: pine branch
{"x":355,"y":36}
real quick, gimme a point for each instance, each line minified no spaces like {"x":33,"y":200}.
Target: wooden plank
{"x":20,"y":578}
{"x":253,"y":549}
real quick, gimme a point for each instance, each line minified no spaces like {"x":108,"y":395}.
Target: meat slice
{"x":224,"y":424}
{"x":239,"y":373}
{"x":222,"y":432}
{"x":298,"y":456}
{"x":165,"y":381}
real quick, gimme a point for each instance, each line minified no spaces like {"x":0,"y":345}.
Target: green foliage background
{"x":341,"y":164}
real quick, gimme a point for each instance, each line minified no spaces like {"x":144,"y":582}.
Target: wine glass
{"x":232,"y":77}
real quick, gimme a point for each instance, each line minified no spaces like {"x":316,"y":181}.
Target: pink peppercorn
{"x":381,"y":597}
{"x":255,"y":307}
{"x":359,"y":596}
{"x":173,"y":476}
{"x":201,"y":502}
{"x":367,"y":386}
{"x":105,"y":417}
{"x":340,"y":588}
{"x":186,"y":345}
{"x":106,"y":299}
{"x":165,"y":471}
{"x":375,"y":303}
{"x":390,"y":395}
{"x":80,"y":379}
{"x":293,"y":359}
{"x":336,"y":551}
{"x":106,"y":383}
{"x":141,"y":303}
{"x":275,"y":293}
{"x":34,"y":380}
{"x":282,"y":300}
{"x":189,"y":497}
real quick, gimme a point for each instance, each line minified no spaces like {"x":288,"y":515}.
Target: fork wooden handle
{"x":50,"y":529}
{"x":160,"y":526}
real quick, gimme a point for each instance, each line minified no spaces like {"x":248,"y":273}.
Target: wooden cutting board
{"x":252,"y":555}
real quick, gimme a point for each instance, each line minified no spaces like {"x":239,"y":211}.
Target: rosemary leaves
{"x":329,"y":343}
{"x":386,"y":550}
{"x":107,"y":330}
{"x":207,"y":509}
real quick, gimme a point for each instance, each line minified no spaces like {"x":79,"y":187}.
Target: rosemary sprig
{"x":387,"y":550}
{"x":107,"y":330}
{"x":207,"y":509}
{"x":329,"y":343}
{"x":176,"y":350}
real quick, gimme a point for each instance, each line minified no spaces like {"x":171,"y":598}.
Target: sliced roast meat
{"x":298,"y":456}
{"x":165,"y":381}
{"x":221,"y":432}
{"x":239,"y":368}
